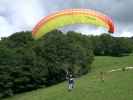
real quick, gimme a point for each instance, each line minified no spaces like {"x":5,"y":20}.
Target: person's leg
{"x":72,"y":85}
{"x":69,"y":86}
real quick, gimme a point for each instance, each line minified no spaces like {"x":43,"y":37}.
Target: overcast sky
{"x":21,"y":15}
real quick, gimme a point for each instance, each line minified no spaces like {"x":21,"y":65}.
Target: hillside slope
{"x":117,"y":85}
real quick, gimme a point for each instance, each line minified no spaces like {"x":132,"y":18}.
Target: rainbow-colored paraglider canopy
{"x":71,"y":16}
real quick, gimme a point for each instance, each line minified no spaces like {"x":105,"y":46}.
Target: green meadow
{"x":117,"y":85}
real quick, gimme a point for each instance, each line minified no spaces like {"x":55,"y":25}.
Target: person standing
{"x":70,"y":82}
{"x":102,"y":76}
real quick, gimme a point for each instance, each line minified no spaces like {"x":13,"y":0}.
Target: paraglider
{"x":69,"y":17}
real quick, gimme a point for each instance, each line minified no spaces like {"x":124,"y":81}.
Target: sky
{"x":23,"y":15}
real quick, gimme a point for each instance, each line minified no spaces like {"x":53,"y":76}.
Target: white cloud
{"x":126,"y":34}
{"x":4,"y":27}
{"x":19,"y":15}
{"x":25,"y":13}
{"x":91,"y":31}
{"x":85,"y":29}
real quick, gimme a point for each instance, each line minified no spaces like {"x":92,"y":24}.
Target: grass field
{"x":117,"y":85}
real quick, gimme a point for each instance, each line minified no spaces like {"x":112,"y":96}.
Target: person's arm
{"x":67,"y":77}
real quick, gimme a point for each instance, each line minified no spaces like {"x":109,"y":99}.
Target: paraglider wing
{"x":71,"y":16}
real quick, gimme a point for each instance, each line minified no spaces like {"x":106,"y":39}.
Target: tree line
{"x":107,"y":45}
{"x":27,"y":64}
